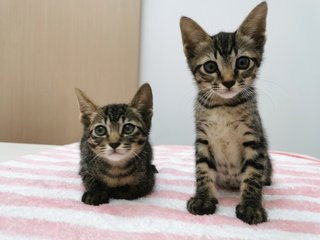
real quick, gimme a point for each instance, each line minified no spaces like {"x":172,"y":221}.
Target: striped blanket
{"x":40,"y":199}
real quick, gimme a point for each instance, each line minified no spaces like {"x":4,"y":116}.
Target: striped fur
{"x":231,"y":147}
{"x":115,"y":152}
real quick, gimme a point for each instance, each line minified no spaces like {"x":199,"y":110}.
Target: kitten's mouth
{"x":116,"y":155}
{"x":228,"y":93}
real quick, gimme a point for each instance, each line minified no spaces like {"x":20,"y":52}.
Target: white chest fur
{"x":224,"y":131}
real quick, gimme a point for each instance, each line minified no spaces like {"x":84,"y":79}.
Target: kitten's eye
{"x":242,"y":63}
{"x":210,"y":67}
{"x":100,"y":130}
{"x":128,"y":128}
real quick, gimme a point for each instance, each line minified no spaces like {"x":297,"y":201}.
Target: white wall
{"x":289,"y":81}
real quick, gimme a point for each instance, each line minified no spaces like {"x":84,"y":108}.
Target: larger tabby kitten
{"x":115,"y":152}
{"x":231,"y":148}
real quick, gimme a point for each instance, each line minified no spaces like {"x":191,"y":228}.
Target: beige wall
{"x":48,"y":47}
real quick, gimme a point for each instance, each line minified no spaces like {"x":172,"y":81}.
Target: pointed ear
{"x":254,"y":26}
{"x":143,"y":101}
{"x":193,"y":36}
{"x":87,"y":108}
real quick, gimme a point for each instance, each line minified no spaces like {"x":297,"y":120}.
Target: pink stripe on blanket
{"x":293,"y":205}
{"x":297,"y":191}
{"x":42,"y":184}
{"x":178,"y":182}
{"x":294,"y":155}
{"x":140,"y":211}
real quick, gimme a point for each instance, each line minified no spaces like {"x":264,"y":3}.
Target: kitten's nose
{"x":228,"y":84}
{"x":114,"y":145}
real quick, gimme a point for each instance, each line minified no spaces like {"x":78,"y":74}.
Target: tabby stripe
{"x":202,"y":141}
{"x":252,"y":127}
{"x":200,"y":172}
{"x":252,"y":163}
{"x":135,"y":135}
{"x":200,"y":179}
{"x":93,"y":145}
{"x":196,"y":68}
{"x":252,"y":144}
{"x":207,"y":161}
{"x":126,"y":174}
{"x":199,"y":129}
{"x":236,"y":74}
{"x":252,"y":182}
{"x":236,"y":103}
{"x":251,"y":198}
{"x":208,"y":105}
{"x":211,"y":154}
{"x":256,"y":61}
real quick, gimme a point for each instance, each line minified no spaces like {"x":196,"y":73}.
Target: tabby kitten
{"x":231,"y":148}
{"x":115,"y":152}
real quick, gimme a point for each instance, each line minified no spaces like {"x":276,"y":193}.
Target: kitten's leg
{"x":96,"y":192}
{"x":250,"y":209}
{"x":268,"y":172}
{"x":205,"y":199}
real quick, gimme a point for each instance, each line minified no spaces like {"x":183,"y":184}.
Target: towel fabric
{"x":40,"y":199}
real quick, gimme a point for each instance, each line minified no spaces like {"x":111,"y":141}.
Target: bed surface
{"x":40,"y":199}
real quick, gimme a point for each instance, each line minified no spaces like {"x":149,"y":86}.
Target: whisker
{"x":136,"y":155}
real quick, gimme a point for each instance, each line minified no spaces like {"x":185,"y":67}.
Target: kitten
{"x":115,"y":152}
{"x":231,"y":147}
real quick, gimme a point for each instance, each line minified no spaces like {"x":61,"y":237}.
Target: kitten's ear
{"x":86,"y":106}
{"x":254,"y":26}
{"x":193,"y":36}
{"x":143,"y":101}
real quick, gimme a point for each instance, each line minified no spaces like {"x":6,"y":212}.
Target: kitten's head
{"x":227,"y":63}
{"x":117,"y":132}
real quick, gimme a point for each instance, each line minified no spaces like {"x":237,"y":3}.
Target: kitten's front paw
{"x":200,"y":206}
{"x":251,"y":214}
{"x":268,"y":181}
{"x":95,"y":197}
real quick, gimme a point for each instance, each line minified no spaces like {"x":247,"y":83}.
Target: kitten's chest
{"x":222,"y":131}
{"x":116,"y":177}
{"x":224,"y":138}
{"x":118,"y":181}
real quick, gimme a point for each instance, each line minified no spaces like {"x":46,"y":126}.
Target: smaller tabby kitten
{"x":231,"y":147}
{"x":115,"y":152}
